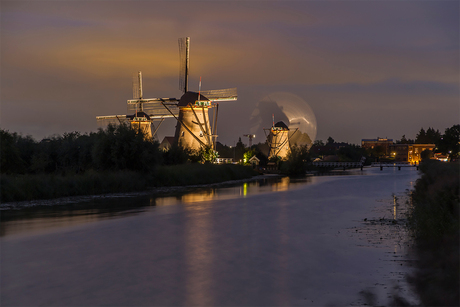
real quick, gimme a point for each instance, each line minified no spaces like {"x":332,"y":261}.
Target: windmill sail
{"x":228,"y":94}
{"x":154,"y":107}
{"x":184,"y":65}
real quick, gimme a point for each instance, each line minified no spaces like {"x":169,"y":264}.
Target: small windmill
{"x":278,"y":139}
{"x":191,"y":111}
{"x":145,"y":112}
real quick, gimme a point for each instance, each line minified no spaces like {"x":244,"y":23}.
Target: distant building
{"x":167,"y":142}
{"x":409,"y":152}
{"x":278,"y":140}
{"x":224,"y":160}
{"x":254,"y":161}
{"x":378,"y":142}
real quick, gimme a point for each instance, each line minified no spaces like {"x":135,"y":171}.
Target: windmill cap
{"x":190,"y":97}
{"x":281,"y":124}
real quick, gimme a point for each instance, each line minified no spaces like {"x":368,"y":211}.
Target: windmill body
{"x":193,"y":130}
{"x":278,"y":140}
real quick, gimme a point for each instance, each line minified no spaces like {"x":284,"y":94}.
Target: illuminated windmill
{"x":278,"y":137}
{"x":193,"y":130}
{"x":145,"y":112}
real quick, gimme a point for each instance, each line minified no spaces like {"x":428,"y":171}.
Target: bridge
{"x":342,"y":165}
{"x":393,"y":164}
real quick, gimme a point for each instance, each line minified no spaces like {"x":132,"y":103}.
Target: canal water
{"x":323,"y":240}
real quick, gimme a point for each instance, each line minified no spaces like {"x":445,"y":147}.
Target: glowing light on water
{"x":289,"y":108}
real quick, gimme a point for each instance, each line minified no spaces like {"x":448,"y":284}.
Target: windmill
{"x":144,"y":111}
{"x":278,"y":139}
{"x":193,"y":129}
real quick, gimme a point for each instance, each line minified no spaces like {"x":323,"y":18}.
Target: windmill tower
{"x":278,"y":137}
{"x":193,"y":129}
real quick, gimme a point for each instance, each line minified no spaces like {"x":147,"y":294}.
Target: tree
{"x":403,"y":140}
{"x":421,"y":137}
{"x":297,"y":161}
{"x":330,"y":141}
{"x":450,"y":142}
{"x":318,"y":143}
{"x":430,"y":136}
{"x":11,"y":161}
{"x":239,"y":150}
{"x":248,"y":155}
{"x":208,"y":155}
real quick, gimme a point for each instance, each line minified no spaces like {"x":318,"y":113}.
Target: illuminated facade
{"x":141,"y":122}
{"x":193,"y":129}
{"x":278,"y":140}
{"x":378,"y":142}
{"x":409,"y":152}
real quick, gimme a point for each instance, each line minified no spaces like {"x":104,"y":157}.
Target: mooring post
{"x":399,"y":168}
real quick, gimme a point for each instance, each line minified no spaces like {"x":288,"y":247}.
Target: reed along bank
{"x":435,"y":222}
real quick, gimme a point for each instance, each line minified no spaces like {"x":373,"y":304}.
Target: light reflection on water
{"x":309,"y":246}
{"x":42,"y":218}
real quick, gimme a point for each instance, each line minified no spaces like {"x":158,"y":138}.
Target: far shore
{"x":18,"y":205}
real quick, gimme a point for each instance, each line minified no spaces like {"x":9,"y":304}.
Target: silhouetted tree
{"x":403,"y":140}
{"x":450,"y":142}
{"x":239,"y":150}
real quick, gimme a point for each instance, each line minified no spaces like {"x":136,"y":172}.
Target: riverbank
{"x":33,"y":187}
{"x":435,"y":223}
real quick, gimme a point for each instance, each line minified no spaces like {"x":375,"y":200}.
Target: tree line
{"x":118,"y":147}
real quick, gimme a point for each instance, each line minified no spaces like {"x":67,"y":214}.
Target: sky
{"x":359,"y":69}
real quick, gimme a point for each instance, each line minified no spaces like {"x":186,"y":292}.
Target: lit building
{"x":378,"y":142}
{"x":193,"y":130}
{"x":278,"y":140}
{"x":409,"y":152}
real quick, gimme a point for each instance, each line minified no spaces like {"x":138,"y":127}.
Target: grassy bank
{"x":435,"y":222}
{"x":46,"y":186}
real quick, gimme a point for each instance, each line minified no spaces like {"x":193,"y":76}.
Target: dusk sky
{"x":366,"y":69}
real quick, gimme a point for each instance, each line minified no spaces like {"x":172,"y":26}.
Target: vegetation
{"x":447,"y":143}
{"x":435,"y":223}
{"x":115,"y":159}
{"x":297,"y":161}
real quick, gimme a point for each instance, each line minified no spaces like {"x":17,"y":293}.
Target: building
{"x":193,"y":130}
{"x":409,"y":152}
{"x":378,"y":142}
{"x":278,"y":140}
{"x":167,"y":143}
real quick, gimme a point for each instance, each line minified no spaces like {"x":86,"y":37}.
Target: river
{"x":313,"y":242}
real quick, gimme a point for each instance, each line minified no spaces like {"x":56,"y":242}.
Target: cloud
{"x":341,"y":57}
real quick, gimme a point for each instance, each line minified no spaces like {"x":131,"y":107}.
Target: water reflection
{"x":44,"y":218}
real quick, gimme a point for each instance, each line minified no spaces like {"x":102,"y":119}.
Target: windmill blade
{"x":111,"y":119}
{"x":184,"y":50}
{"x":136,"y":86}
{"x":154,"y":107}
{"x":228,"y":94}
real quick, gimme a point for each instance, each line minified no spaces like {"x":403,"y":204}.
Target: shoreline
{"x":19,"y":205}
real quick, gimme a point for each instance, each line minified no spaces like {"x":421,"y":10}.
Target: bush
{"x":435,"y":223}
{"x":297,"y":161}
